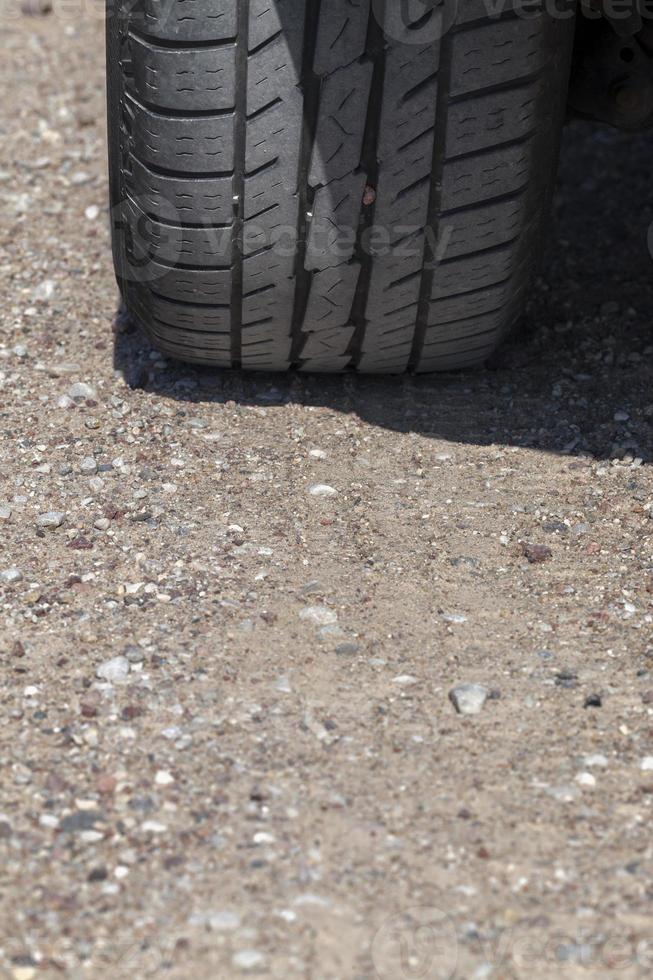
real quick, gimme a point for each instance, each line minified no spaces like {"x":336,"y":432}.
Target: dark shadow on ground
{"x":579,"y":378}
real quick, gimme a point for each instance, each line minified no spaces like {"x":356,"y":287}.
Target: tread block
{"x":498,"y":52}
{"x":341,"y":123}
{"x":194,"y":145}
{"x":272,"y":73}
{"x":198,"y":201}
{"x":188,"y":78}
{"x":484,"y":227}
{"x":153,"y":240}
{"x":409,"y":99}
{"x":487,"y":121}
{"x":331,"y":298}
{"x":185,"y":317}
{"x":466,"y":305}
{"x":474,"y":272}
{"x":211,"y":286}
{"x":182,"y":20}
{"x":342,"y":33}
{"x":474,"y":180}
{"x":336,"y":214}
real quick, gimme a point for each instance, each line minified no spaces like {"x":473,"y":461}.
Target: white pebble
{"x":44,"y":291}
{"x":596,"y":760}
{"x":53,"y":518}
{"x":322,"y":490}
{"x":248,"y":959}
{"x":80,"y":390}
{"x":49,"y":820}
{"x":586,"y":779}
{"x":113,"y":670}
{"x":5,"y":513}
{"x":647,"y":763}
{"x":225,"y":921}
{"x":88,"y":465}
{"x":468,"y":699}
{"x":154,"y":827}
{"x":261,"y":837}
{"x":164,"y":778}
{"x":319,"y":615}
{"x":11,"y":575}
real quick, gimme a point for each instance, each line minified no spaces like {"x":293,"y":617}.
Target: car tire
{"x":328,"y":184}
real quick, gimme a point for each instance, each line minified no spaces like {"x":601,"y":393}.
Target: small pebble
{"x":586,"y":779}
{"x":347,"y":649}
{"x":566,"y":678}
{"x":80,"y":391}
{"x":88,"y":465}
{"x":5,"y":513}
{"x":468,"y":699}
{"x":225,"y":921}
{"x":593,"y":701}
{"x":647,"y":763}
{"x":536,"y":554}
{"x":11,"y":575}
{"x":52,"y":518}
{"x":134,"y":654}
{"x":248,"y":959}
{"x":322,"y":490}
{"x":154,"y":827}
{"x":319,"y":615}
{"x":44,"y":291}
{"x":113,"y":670}
{"x":164,"y":778}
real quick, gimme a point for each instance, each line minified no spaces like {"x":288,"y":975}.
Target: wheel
{"x":327,"y":184}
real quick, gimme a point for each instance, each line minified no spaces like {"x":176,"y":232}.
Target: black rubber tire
{"x":316,"y":183}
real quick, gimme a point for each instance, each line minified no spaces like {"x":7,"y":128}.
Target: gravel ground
{"x":238,"y":612}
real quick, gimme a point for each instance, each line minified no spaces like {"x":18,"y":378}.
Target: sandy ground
{"x":227,"y":742}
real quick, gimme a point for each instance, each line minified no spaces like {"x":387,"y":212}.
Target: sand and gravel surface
{"x":238,"y":613}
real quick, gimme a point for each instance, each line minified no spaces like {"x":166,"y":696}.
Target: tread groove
{"x":240,"y":142}
{"x":370,"y":163}
{"x":310,"y":85}
{"x":435,"y":198}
